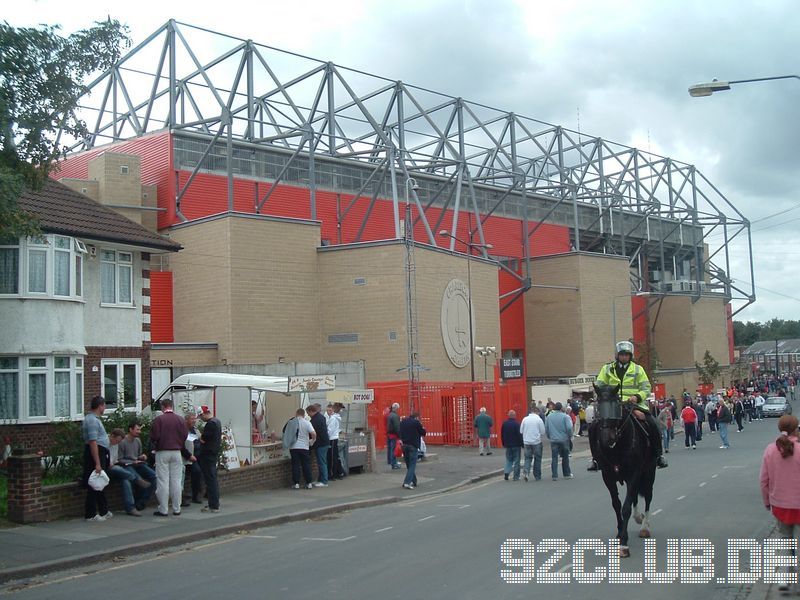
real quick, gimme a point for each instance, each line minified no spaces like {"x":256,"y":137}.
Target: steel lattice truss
{"x":233,"y":95}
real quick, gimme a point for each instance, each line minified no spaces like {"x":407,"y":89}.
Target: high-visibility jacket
{"x":634,"y":382}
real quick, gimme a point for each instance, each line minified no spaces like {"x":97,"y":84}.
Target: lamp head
{"x":700,"y":90}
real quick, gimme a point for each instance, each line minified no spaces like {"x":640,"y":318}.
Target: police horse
{"x":621,"y":447}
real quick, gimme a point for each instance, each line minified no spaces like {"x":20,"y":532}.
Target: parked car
{"x":776,"y":406}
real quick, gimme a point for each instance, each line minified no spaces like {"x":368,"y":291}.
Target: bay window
{"x":46,"y":266}
{"x":41,"y":388}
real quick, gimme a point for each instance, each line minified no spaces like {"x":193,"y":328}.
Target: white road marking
{"x":565,"y":568}
{"x":263,"y":537}
{"x":733,"y":467}
{"x":426,"y":518}
{"x":456,"y":506}
{"x":702,"y":484}
{"x":347,"y":539}
{"x":681,"y":497}
{"x":655,"y":512}
{"x":384,"y":529}
{"x":715,"y":475}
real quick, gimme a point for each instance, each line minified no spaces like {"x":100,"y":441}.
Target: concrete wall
{"x":377,"y":307}
{"x":570,"y":331}
{"x":251,"y":286}
{"x":683,"y":330}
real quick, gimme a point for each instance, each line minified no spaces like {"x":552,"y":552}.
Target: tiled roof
{"x":65,"y":211}
{"x":791,"y":346}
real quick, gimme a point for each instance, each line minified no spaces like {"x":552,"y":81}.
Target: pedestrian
{"x":558,"y":428}
{"x":131,"y":458}
{"x":95,"y":460}
{"x":321,"y":445}
{"x":334,"y":423}
{"x":210,"y":447}
{"x":511,"y":439}
{"x":168,"y":436}
{"x":572,"y":418}
{"x":711,"y":413}
{"x":483,"y":430}
{"x":192,"y":467}
{"x":590,"y":413}
{"x":724,"y":418}
{"x":411,"y":434}
{"x":392,"y":435}
{"x":297,"y":437}
{"x":759,"y":402}
{"x":780,"y":485}
{"x":689,"y":418}
{"x":701,"y":417}
{"x":738,"y":414}
{"x":665,"y":423}
{"x":533,"y":434}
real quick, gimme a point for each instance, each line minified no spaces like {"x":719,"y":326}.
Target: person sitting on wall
{"x":120,"y":472}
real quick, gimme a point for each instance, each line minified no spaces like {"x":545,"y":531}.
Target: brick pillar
{"x":24,"y":488}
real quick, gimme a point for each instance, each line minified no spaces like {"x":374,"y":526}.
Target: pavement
{"x":33,"y":550}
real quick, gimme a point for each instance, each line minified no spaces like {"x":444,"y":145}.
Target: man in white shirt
{"x":590,"y":413}
{"x":759,"y":405}
{"x":298,"y":435}
{"x":533,"y":434}
{"x":334,"y":421}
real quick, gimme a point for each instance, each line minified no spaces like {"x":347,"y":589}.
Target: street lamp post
{"x":700,"y":90}
{"x":470,"y":245}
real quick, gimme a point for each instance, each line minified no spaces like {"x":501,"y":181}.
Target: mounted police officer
{"x":634,"y":386}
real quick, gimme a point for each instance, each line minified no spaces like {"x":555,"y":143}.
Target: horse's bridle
{"x":619,"y":428}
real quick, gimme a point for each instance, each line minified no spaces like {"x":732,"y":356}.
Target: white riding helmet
{"x":625,"y":346}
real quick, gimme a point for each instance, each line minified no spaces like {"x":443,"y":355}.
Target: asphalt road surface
{"x":448,"y":546}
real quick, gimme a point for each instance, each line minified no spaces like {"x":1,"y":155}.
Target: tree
{"x":42,"y":77}
{"x":709,"y":370}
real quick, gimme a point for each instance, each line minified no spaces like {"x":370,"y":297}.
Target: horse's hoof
{"x":624,"y":552}
{"x":644,"y":533}
{"x":638,"y":519}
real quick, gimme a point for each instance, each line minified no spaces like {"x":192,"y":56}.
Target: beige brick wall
{"x":149,"y":198}
{"x":711,"y":329}
{"x":568,"y":331}
{"x":275,"y":291}
{"x":116,"y":187}
{"x":201,"y":284}
{"x":375,"y":309}
{"x":184,"y":357}
{"x":672,"y":331}
{"x":92,"y":188}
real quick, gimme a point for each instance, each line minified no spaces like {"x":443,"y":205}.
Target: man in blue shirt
{"x":95,"y":459}
{"x":558,"y":427}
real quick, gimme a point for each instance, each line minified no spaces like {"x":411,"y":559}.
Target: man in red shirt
{"x":168,"y":436}
{"x":689,"y":418}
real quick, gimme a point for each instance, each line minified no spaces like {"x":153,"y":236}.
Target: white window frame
{"x":119,"y":266}
{"x":120,"y":364}
{"x":24,"y":371}
{"x":47,"y":244}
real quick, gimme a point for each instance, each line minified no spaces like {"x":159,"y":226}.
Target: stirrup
{"x":593,"y":467}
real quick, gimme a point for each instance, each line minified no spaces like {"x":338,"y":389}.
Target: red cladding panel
{"x":512,"y":320}
{"x":161,"y":330}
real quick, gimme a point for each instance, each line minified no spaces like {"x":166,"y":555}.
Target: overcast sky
{"x":614,"y":69}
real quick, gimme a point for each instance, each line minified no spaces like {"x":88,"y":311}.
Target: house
{"x":75,"y":313}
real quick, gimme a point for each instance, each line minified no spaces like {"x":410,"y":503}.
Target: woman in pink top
{"x":780,"y":479}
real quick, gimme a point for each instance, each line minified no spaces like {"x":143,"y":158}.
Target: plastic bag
{"x":398,"y":449}
{"x":98,"y":481}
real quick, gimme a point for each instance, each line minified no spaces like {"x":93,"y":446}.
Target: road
{"x":448,"y":546}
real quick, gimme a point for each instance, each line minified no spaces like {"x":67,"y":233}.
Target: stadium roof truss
{"x":241,"y":99}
